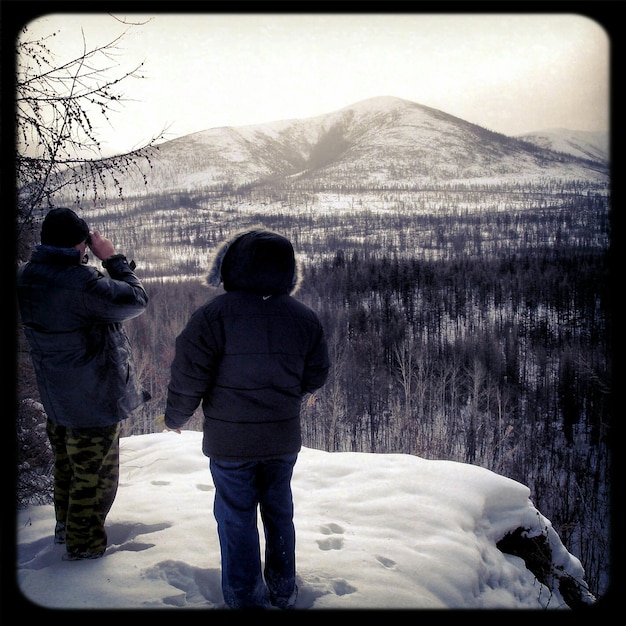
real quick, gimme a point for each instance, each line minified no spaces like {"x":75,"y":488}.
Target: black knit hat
{"x":62,"y":228}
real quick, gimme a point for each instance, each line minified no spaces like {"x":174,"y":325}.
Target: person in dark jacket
{"x":72,"y":317}
{"x":250,"y":356}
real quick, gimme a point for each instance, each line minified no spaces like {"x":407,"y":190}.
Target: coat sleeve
{"x":192,"y":371}
{"x":118,"y":297}
{"x":317,"y":364}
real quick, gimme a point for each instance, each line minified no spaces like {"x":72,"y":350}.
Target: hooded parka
{"x":249,"y":355}
{"x":72,"y":316}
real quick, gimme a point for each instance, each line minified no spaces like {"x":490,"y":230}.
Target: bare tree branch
{"x":57,"y":144}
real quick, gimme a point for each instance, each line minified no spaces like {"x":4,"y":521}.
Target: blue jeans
{"x":241,"y":487}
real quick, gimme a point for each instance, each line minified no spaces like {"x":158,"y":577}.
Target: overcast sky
{"x":511,"y":73}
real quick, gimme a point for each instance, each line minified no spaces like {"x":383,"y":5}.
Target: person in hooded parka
{"x":250,"y":356}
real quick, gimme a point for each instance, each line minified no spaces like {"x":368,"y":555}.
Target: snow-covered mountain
{"x":584,"y":144}
{"x":376,"y":143}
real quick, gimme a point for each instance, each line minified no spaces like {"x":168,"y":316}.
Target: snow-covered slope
{"x":583,"y":144}
{"x":379,"y":142}
{"x":375,"y":531}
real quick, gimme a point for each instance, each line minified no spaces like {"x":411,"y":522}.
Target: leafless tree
{"x":56,"y":145}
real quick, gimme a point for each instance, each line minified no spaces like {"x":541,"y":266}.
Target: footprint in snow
{"x":330,"y":542}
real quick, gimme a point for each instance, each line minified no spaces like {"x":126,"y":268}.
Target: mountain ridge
{"x":593,"y":145}
{"x":375,"y":143}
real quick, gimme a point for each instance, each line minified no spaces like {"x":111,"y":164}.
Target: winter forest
{"x":464,"y":323}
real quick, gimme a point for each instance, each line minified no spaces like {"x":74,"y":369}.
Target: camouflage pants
{"x":86,"y":477}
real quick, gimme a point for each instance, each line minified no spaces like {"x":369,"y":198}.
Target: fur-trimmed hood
{"x":256,"y":260}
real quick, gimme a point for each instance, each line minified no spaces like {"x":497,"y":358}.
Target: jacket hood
{"x":255,"y":260}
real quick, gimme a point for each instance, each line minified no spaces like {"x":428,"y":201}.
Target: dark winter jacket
{"x":249,"y":355}
{"x":72,"y":316}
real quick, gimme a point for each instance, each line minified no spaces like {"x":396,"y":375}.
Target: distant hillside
{"x":583,"y":144}
{"x":380,"y":142}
